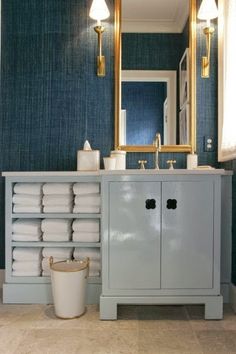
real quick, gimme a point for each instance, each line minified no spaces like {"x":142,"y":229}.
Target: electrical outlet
{"x":208,"y":143}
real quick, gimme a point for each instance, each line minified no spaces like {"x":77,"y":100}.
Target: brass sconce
{"x":207,"y":11}
{"x":99,"y":11}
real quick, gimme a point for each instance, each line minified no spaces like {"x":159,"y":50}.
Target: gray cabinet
{"x":161,"y":242}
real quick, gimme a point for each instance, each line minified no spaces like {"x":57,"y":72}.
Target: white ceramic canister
{"x":120,"y":159}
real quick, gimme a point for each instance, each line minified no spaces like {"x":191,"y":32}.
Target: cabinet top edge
{"x":117,"y":172}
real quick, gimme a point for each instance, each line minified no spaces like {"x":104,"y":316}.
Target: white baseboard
{"x":232,"y":296}
{"x":2,"y":277}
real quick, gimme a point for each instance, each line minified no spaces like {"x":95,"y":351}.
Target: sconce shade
{"x":208,"y":10}
{"x":99,"y":10}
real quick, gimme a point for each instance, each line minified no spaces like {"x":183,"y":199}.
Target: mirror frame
{"x":192,"y":67}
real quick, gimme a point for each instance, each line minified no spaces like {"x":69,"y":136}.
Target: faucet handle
{"x":142,"y":164}
{"x":171,"y":163}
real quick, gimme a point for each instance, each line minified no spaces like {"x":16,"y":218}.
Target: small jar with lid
{"x":120,"y":159}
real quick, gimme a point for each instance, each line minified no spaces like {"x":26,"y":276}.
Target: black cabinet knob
{"x":150,"y":204}
{"x":171,"y":204}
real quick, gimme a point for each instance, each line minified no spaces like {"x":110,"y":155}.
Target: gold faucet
{"x":157,"y":144}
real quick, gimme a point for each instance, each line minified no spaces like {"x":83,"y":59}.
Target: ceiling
{"x":154,"y":15}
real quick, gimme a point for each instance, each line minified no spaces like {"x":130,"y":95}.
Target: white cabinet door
{"x":134,"y":235}
{"x":187,"y":235}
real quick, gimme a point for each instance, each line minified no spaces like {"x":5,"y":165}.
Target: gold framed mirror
{"x":183,"y":116}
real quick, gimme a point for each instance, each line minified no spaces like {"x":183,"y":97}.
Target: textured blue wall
{"x":52,"y":100}
{"x":143,"y":102}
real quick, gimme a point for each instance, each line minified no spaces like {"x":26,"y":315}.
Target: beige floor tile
{"x":74,"y":341}
{"x":10,"y":339}
{"x":168,"y":342}
{"x":217,"y":342}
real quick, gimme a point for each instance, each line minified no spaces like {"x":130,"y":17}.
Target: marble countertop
{"x":118,"y":172}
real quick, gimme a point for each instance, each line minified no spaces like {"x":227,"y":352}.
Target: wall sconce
{"x":207,"y":11}
{"x":99,"y":11}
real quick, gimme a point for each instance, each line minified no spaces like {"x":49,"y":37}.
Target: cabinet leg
{"x":108,"y":308}
{"x":214,"y":308}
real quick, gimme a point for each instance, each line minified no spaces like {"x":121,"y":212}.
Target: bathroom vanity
{"x":165,"y":239}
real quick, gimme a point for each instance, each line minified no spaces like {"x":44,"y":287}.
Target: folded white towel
{"x":17,"y":208}
{"x":27,"y":199}
{"x":24,"y":273}
{"x":56,"y":225}
{"x":58,"y":209}
{"x":27,"y":226}
{"x":94,"y":273}
{"x":80,"y":236}
{"x":28,"y":188}
{"x":87,"y":225}
{"x":90,"y":200}
{"x":26,"y":265}
{"x":92,"y":253}
{"x":59,"y":252}
{"x":94,"y":265}
{"x":26,"y":237}
{"x":27,"y":254}
{"x":57,"y":188}
{"x":59,"y":236}
{"x":56,"y":200}
{"x":46,"y":265}
{"x":86,"y":188}
{"x":86,"y":209}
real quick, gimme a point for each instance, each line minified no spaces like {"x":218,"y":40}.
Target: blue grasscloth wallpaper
{"x":52,"y":100}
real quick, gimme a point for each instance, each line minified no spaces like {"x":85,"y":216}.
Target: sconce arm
{"x":100,"y":58}
{"x":208,"y":31}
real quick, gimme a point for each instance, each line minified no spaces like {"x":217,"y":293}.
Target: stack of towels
{"x":58,"y":253}
{"x":27,"y":198}
{"x":57,"y":230}
{"x":57,"y":198}
{"x":85,"y":230}
{"x":26,"y":230}
{"x":94,"y":257}
{"x":87,"y":198}
{"x":26,"y":262}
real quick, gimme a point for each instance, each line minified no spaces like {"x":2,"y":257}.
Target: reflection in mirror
{"x":150,"y":97}
{"x":156,"y":40}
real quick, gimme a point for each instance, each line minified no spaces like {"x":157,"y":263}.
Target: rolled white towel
{"x":24,"y":273}
{"x":27,"y":254}
{"x":58,"y":252}
{"x":94,"y":265}
{"x":27,"y":199}
{"x":90,"y":200}
{"x":28,"y":188}
{"x":17,"y":208}
{"x":46,"y":273}
{"x":46,"y":265}
{"x":58,"y":209}
{"x":94,"y":273}
{"x":56,"y":225}
{"x":57,"y":237}
{"x":80,"y":236}
{"x":26,"y":237}
{"x":57,"y":188}
{"x":86,"y":209}
{"x":87,"y":225}
{"x":86,"y":188}
{"x":27,"y":226}
{"x":92,"y":253}
{"x":56,"y":200}
{"x":26,"y":265}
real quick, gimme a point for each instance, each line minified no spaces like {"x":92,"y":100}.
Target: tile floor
{"x":33,"y":329}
